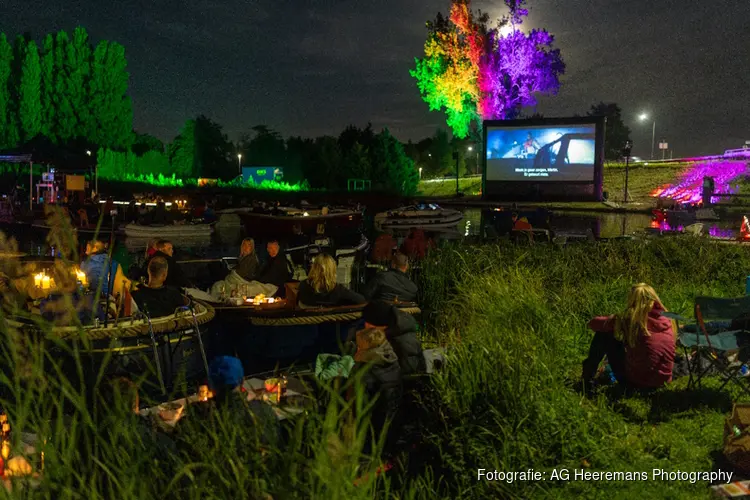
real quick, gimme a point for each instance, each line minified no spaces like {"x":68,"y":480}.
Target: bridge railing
{"x":734,"y":153}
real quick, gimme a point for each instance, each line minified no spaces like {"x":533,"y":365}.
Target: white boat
{"x":422,"y":216}
{"x":173,"y":231}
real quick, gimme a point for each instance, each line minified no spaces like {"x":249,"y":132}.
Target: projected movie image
{"x":547,"y":153}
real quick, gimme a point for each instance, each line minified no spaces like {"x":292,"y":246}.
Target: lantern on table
{"x":81,"y":278}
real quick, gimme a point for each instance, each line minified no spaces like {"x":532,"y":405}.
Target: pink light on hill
{"x":689,"y":188}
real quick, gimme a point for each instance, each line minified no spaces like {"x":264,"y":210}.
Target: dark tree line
{"x":67,"y":90}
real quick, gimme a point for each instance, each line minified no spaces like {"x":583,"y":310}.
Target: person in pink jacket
{"x":639,"y":343}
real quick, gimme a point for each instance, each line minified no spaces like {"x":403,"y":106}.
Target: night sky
{"x":312,"y":70}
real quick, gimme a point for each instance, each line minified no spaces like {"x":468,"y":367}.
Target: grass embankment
{"x":642,"y":180}
{"x":505,"y":401}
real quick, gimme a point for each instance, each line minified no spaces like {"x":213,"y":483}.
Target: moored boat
{"x":169,"y":231}
{"x":281,"y":220}
{"x":168,"y":347}
{"x":421,"y":216}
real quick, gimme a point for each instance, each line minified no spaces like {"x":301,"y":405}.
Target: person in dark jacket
{"x":176,"y":277}
{"x":393,"y":284}
{"x":377,"y":363}
{"x":401,"y":331}
{"x":320,"y":287}
{"x":276,"y":269}
{"x":639,"y":343}
{"x":247,"y":265}
{"x":157,"y":298}
{"x":159,"y":216}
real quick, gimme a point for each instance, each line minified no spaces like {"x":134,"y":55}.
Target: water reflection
{"x":478,"y":223}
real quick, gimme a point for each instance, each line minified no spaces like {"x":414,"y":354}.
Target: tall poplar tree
{"x":66,"y":122}
{"x":8,"y":131}
{"x":111,"y":106}
{"x":183,"y":151}
{"x":48,"y":92}
{"x":78,"y":62}
{"x":29,"y":104}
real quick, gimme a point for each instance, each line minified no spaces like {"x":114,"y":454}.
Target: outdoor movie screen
{"x":564,"y":153}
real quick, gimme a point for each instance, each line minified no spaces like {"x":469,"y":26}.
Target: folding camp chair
{"x":711,"y":337}
{"x":195,"y":331}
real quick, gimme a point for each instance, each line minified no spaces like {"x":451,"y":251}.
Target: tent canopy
{"x":42,"y":150}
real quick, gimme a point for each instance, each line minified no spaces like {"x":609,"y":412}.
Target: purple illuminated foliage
{"x":513,"y":69}
{"x":690,"y":186}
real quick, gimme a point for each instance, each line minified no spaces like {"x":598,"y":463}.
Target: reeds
{"x":514,"y":320}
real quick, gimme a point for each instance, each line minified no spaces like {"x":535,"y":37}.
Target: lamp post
{"x":420,"y":173}
{"x":476,"y":164}
{"x":96,"y":175}
{"x":239,"y":163}
{"x":644,"y":117}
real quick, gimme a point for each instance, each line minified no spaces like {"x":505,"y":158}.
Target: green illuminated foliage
{"x":78,"y":62}
{"x":8,"y":129}
{"x":65,"y":91}
{"x":48,"y":89}
{"x":30,"y":105}
{"x":66,"y":122}
{"x":112,"y":110}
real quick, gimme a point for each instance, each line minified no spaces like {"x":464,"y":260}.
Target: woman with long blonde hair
{"x":248,"y":265}
{"x":639,"y":342}
{"x":320,"y":287}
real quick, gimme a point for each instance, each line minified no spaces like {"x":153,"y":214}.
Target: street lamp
{"x":96,"y":175}
{"x":239,"y":162}
{"x":420,"y":173}
{"x":644,"y":117}
{"x":476,"y":165}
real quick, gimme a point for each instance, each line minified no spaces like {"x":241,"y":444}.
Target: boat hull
{"x":173,"y":231}
{"x":423,"y":219}
{"x":256,"y":223}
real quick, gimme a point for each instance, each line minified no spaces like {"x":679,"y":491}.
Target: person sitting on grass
{"x":639,"y":343}
{"x":320,"y":288}
{"x":117,"y":409}
{"x":401,"y":331}
{"x":393,"y":284}
{"x":247,"y":265}
{"x":158,"y":299}
{"x":377,"y":364}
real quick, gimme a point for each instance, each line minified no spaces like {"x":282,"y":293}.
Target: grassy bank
{"x":515,"y":318}
{"x":506,"y":400}
{"x":642,"y":180}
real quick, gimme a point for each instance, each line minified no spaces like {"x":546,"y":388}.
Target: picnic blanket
{"x":235,"y":281}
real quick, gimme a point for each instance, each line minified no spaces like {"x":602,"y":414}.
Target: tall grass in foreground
{"x":515,"y":318}
{"x":95,"y":446}
{"x":506,"y":401}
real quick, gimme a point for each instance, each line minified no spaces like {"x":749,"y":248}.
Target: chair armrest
{"x":675,"y":316}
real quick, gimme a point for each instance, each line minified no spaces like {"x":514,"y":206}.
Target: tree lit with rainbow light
{"x":476,"y":73}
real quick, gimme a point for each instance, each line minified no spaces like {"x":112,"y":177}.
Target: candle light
{"x":81,"y":277}
{"x":38,"y":280}
{"x":46,"y":282}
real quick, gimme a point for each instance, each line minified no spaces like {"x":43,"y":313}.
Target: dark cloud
{"x":310,"y":68}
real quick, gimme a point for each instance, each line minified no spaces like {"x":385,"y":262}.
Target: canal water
{"x":478,"y":223}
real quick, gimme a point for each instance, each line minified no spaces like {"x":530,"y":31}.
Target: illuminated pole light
{"x":420,"y":173}
{"x":644,"y":117}
{"x":239,"y":163}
